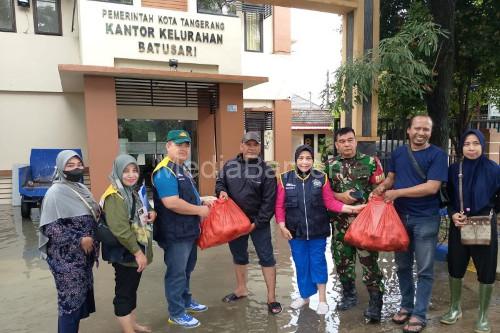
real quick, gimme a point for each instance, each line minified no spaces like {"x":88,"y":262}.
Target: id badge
{"x":143,"y":216}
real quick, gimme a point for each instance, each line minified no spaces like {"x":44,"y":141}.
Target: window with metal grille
{"x":265,"y":10}
{"x":254,"y":34}
{"x":258,"y":121}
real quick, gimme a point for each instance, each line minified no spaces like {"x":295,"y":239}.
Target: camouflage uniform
{"x":360,"y":173}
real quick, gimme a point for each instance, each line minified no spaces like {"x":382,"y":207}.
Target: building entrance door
{"x":145,"y":139}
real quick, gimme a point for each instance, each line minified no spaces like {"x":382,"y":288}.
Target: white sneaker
{"x":298,"y":303}
{"x":323,"y":308}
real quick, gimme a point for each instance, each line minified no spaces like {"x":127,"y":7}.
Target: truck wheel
{"x":25,"y":209}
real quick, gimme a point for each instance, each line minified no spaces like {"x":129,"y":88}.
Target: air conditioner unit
{"x":23,"y":3}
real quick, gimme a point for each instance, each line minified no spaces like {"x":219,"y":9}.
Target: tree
{"x":438,"y":98}
{"x":464,"y":72}
{"x":477,"y":60}
{"x":399,"y":69}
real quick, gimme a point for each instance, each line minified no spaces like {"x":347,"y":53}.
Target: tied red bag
{"x":378,"y":228}
{"x":225,"y":222}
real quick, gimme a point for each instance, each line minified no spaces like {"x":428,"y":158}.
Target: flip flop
{"x":418,"y":325}
{"x":274,"y":308}
{"x":405,"y":315}
{"x":232,"y":297}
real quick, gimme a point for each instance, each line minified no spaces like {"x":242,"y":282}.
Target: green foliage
{"x":325,"y":148}
{"x":398,"y":71}
{"x":476,"y":79}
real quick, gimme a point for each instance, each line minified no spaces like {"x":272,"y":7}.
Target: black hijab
{"x":481,"y":179}
{"x":298,"y":151}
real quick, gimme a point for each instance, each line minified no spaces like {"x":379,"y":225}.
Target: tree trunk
{"x":438,"y":102}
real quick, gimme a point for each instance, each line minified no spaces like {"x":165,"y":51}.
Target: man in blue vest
{"x":177,"y":227}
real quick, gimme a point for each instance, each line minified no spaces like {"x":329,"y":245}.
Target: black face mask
{"x":74,"y":175}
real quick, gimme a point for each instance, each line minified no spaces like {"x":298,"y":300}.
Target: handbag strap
{"x":460,"y":188}
{"x":86,"y":203}
{"x":132,"y":210}
{"x":415,"y":164}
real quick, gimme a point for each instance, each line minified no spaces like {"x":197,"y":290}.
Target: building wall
{"x":99,"y":32}
{"x":39,"y":120}
{"x":267,"y":63}
{"x":28,"y":61}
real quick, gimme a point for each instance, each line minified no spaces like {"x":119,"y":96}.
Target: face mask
{"x":74,"y":175}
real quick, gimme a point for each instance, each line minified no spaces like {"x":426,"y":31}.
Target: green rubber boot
{"x":482,"y":324}
{"x":455,"y":312}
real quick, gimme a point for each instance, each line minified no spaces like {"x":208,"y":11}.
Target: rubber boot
{"x":374,"y":310}
{"x":349,"y":297}
{"x":482,"y":324}
{"x":455,"y":311}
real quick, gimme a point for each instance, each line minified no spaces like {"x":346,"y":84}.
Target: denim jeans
{"x":180,"y":258}
{"x":423,"y":234}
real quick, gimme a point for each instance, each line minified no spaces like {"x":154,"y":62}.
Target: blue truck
{"x":36,"y":178}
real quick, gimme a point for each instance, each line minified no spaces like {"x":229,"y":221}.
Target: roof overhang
{"x":72,"y":76}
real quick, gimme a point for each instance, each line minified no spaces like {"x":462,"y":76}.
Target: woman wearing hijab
{"x":481,"y":186}
{"x":130,"y":223}
{"x":67,"y":242}
{"x":303,"y":197}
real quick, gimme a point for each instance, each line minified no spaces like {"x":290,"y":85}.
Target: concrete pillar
{"x":102,"y":130}
{"x":360,"y":35}
{"x":206,"y":151}
{"x":283,"y":133}
{"x":282,"y":32}
{"x":229,"y":125}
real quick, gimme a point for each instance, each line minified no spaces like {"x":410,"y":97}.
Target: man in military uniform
{"x":353,"y":176}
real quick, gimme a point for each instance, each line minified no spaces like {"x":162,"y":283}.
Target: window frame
{"x":261,"y":23}
{"x":35,"y":19}
{"x":13,"y":28}
{"x":212,"y":13}
{"x":116,"y":2}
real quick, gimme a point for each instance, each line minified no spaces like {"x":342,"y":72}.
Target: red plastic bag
{"x":378,"y":228}
{"x":225,"y":222}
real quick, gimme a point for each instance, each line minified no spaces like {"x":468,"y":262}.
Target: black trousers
{"x":126,"y":283}
{"x":483,"y":256}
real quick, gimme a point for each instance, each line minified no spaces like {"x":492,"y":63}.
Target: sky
{"x":317,"y":43}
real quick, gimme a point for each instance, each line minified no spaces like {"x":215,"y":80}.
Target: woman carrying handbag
{"x":473,"y":188}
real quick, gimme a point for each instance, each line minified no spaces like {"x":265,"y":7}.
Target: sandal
{"x":414,"y":327}
{"x":232,"y":297}
{"x":274,"y":308}
{"x":401,"y":317}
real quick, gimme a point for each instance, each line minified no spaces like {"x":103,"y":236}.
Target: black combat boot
{"x":349,"y":297}
{"x":374,"y":310}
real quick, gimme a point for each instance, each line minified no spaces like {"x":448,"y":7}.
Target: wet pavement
{"x":28,"y":301}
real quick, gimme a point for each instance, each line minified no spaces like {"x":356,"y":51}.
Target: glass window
{"x":47,"y":17}
{"x":123,"y":2}
{"x":253,"y":31}
{"x":218,"y":7}
{"x":145,"y":139}
{"x":7,"y":18}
